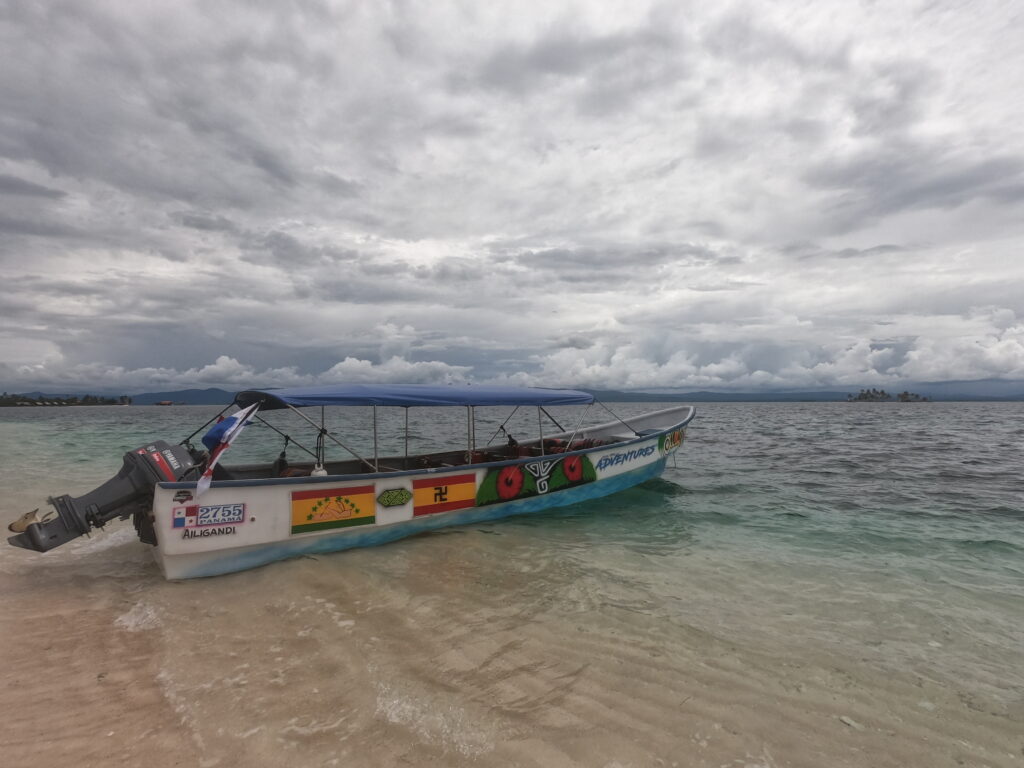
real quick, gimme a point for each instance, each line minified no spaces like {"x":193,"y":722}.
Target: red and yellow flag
{"x":322,"y":509}
{"x":443,"y":494}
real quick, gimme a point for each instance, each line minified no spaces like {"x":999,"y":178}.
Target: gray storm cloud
{"x":749,"y":196}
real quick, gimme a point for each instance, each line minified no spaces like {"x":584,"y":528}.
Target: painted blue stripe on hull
{"x":269,"y":553}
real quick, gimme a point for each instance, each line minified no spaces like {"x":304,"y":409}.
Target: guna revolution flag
{"x":431,"y":495}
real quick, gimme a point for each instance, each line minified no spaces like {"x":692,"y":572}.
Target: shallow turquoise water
{"x":889,"y":537}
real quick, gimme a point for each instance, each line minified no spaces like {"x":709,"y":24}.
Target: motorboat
{"x":205,"y":518}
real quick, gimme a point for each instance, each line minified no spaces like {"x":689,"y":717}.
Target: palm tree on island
{"x":910,"y":397}
{"x":881,"y":396}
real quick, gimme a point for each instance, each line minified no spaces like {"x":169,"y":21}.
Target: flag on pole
{"x":219,"y":438}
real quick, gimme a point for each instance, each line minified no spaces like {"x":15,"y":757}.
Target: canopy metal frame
{"x":323,"y":433}
{"x":322,"y":430}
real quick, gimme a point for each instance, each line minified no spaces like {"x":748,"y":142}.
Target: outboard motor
{"x":129,"y":492}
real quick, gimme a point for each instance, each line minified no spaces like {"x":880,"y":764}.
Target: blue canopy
{"x":409,"y":394}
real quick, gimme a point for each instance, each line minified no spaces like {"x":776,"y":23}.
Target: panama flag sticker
{"x":185,"y":517}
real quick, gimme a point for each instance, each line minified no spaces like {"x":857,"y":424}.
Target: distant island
{"x":881,"y":396}
{"x":178,"y":397}
{"x":8,"y":401}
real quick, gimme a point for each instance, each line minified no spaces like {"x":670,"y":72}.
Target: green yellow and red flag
{"x":322,"y":509}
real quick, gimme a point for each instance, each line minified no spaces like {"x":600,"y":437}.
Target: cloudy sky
{"x":609,"y":194}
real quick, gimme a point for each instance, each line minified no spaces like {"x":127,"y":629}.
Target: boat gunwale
{"x":307,"y":479}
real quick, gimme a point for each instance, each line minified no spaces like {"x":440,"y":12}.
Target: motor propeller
{"x":25,"y":521}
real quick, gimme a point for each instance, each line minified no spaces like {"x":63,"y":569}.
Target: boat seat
{"x":219,"y":473}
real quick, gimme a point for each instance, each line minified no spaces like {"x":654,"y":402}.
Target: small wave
{"x":996,"y":545}
{"x":441,"y":532}
{"x":139,"y":618}
{"x":727,"y":488}
{"x":725,"y":518}
{"x":434,"y":719}
{"x":665,"y":487}
{"x":100,"y":541}
{"x":1006,"y":511}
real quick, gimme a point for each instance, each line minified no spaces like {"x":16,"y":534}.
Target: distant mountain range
{"x":615,"y":396}
{"x":210,"y":396}
{"x":936,"y":393}
{"x":944,"y":391}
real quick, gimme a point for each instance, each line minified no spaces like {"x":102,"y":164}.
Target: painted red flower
{"x":510,"y":482}
{"x":573,"y":468}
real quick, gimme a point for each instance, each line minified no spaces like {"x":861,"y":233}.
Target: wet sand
{"x":438,"y":651}
{"x":80,"y":688}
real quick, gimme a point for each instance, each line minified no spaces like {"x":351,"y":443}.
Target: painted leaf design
{"x":394,"y":497}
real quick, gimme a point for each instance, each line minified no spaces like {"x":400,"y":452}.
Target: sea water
{"x":819,"y":584}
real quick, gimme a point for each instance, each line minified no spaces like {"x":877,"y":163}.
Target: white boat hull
{"x":238,"y":524}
